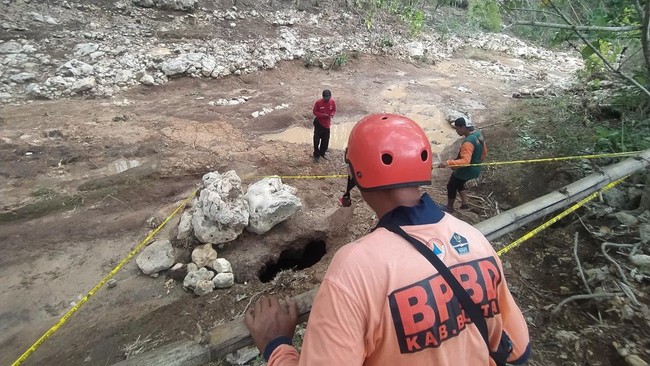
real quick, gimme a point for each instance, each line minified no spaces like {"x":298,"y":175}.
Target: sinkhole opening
{"x":294,"y":259}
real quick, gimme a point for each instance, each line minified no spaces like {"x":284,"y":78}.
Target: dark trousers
{"x":454,"y":186}
{"x":321,"y":139}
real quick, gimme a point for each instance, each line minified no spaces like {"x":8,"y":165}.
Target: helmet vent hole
{"x":384,"y":118}
{"x":424,"y":155}
{"x":386,"y":159}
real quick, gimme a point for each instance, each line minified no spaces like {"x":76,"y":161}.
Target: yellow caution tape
{"x":561,"y":158}
{"x":555,"y":219}
{"x":101,"y":283}
{"x":541,"y":160}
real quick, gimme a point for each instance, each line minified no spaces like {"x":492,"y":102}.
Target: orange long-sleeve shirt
{"x":465,"y":154}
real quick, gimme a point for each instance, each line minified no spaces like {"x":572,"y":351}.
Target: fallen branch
{"x":589,"y":28}
{"x":584,"y":297}
{"x":575,"y":255}
{"x":603,"y":248}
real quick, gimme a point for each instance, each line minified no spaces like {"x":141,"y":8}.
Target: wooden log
{"x":519,"y":216}
{"x":229,"y":337}
{"x":221,"y":340}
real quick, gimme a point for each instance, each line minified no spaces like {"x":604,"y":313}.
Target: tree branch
{"x":533,"y":11}
{"x":644,"y":34}
{"x":597,"y":51}
{"x":570,"y":26}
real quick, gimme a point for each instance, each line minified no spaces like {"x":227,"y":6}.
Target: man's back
{"x":382,"y":303}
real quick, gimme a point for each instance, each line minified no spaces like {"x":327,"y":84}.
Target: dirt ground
{"x":70,"y":213}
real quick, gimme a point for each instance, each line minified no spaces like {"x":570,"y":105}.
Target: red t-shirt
{"x":324,"y":111}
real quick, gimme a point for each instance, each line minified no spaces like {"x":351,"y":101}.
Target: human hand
{"x":442,"y":165}
{"x":268,"y":319}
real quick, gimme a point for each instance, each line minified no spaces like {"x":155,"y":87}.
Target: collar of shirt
{"x":425,"y":212}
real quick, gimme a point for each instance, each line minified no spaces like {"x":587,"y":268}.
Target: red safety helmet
{"x":388,"y":151}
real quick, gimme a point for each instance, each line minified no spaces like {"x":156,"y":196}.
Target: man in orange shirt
{"x":381,"y":301}
{"x":472,"y":151}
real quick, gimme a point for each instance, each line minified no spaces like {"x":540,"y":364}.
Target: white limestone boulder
{"x":270,"y":202}
{"x":221,"y":212}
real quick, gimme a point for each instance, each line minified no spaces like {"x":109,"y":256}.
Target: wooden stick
{"x":219,"y":342}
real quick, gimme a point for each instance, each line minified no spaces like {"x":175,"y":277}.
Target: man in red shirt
{"x":381,"y":301}
{"x":324,"y":110}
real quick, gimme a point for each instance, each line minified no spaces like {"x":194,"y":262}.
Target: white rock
{"x":221,"y":210}
{"x":147,"y":80}
{"x":204,"y":255}
{"x":221,"y":265}
{"x":85,"y":49}
{"x":156,"y":257}
{"x":10,"y":47}
{"x":191,"y":267}
{"x":83,"y":85}
{"x":270,"y":202}
{"x":223,"y":280}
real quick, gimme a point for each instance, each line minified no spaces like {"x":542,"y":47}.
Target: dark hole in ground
{"x":295,"y":259}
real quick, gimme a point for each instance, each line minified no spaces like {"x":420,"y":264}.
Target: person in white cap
{"x":472,"y":151}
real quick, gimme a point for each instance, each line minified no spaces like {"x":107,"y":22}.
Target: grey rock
{"x":123,"y":76}
{"x":156,"y":257}
{"x":5,"y":97}
{"x":83,"y":85}
{"x":175,"y":66}
{"x":221,"y":211}
{"x":615,"y":198}
{"x":203,"y":287}
{"x":10,"y":47}
{"x":144,"y":3}
{"x":76,"y":68}
{"x":58,"y":81}
{"x":566,"y":336}
{"x":221,"y":265}
{"x":270,"y":202}
{"x":204,"y":255}
{"x":85,"y":49}
{"x":193,"y":277}
{"x":223,"y":280}
{"x":626,"y":219}
{"x":642,"y":261}
{"x":22,"y":77}
{"x":242,"y":356}
{"x":36,"y":91}
{"x":185,"y":226}
{"x":644,"y":233}
{"x":184,"y":5}
{"x":111,"y":283}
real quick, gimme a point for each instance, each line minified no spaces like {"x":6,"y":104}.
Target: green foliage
{"x":44,"y":193}
{"x":487,"y":14}
{"x":339,"y":61}
{"x":309,"y":60}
